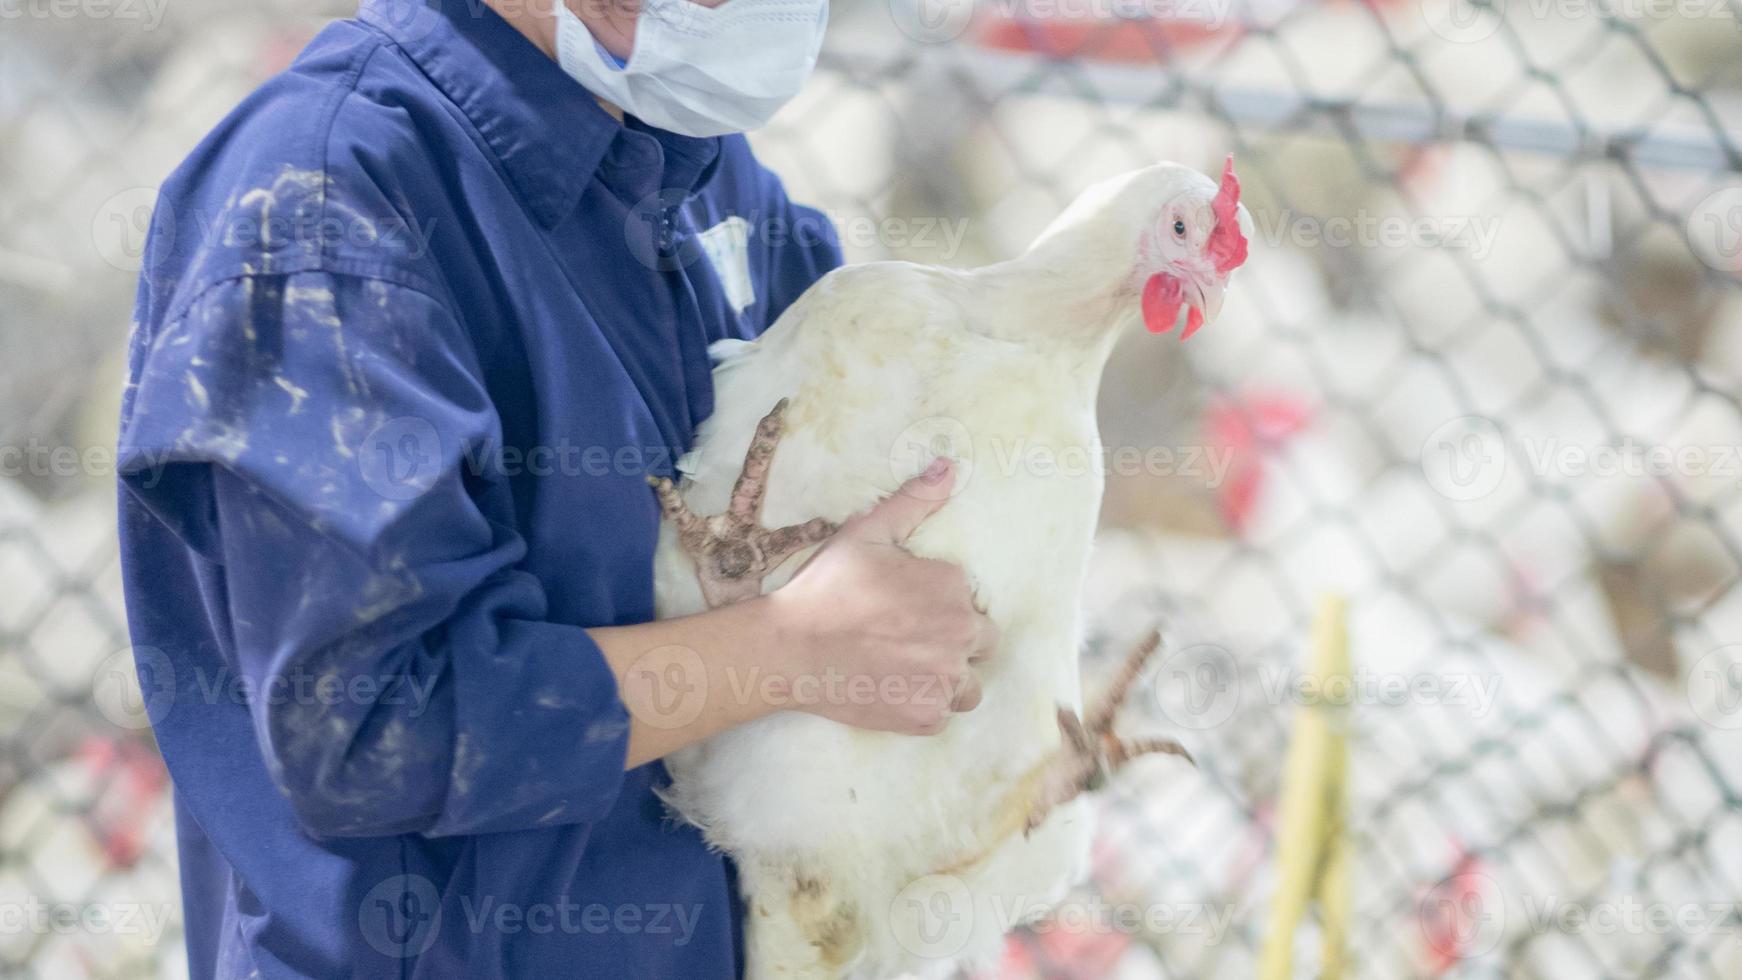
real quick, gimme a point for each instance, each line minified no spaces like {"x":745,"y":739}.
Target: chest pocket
{"x":727,"y":246}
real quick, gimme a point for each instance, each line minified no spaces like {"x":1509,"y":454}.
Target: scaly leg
{"x":732,"y":551}
{"x":1092,"y":750}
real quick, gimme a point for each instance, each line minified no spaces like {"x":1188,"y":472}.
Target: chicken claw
{"x":732,"y":551}
{"x":1092,"y":750}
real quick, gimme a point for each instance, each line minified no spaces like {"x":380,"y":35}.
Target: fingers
{"x":968,"y":694}
{"x":897,"y":516}
{"x":949,"y":584}
{"x":985,"y":640}
{"x":970,"y":638}
{"x":984,"y":644}
{"x":934,"y":714}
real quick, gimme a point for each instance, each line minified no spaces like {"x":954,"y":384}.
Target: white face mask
{"x":701,"y":71}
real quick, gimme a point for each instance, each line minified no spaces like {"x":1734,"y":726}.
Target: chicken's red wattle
{"x":1162,"y":296}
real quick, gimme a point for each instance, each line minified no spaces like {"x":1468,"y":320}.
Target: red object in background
{"x":1062,"y":953}
{"x":1529,"y":605}
{"x":129,"y":778}
{"x":1248,"y":428}
{"x":280,"y":51}
{"x":1133,"y":40}
{"x":1450,"y":920}
{"x":1086,"y":947}
{"x":1116,"y":40}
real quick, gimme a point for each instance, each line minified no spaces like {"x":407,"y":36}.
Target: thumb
{"x":901,"y":513}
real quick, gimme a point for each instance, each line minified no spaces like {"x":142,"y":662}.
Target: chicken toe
{"x":733,"y":551}
{"x":1091,"y":751}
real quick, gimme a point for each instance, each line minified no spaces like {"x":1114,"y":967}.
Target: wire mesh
{"x":1479,"y":376}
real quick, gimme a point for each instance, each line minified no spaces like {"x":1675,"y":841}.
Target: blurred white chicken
{"x":887,"y":366}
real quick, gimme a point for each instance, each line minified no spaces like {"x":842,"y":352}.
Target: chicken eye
{"x":1179,"y":227}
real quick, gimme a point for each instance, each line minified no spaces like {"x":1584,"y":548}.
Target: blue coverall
{"x":415,"y":322}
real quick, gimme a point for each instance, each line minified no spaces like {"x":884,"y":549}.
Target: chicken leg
{"x":1092,"y":751}
{"x":733,"y":551}
{"x":1089,"y":753}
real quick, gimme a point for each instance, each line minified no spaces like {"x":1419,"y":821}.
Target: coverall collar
{"x":550,"y":134}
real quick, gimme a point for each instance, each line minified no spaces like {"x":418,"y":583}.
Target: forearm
{"x":687,"y":679}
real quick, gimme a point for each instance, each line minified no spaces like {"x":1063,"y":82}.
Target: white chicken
{"x":869,"y":854}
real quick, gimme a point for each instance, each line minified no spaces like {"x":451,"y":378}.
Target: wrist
{"x":786,"y":627}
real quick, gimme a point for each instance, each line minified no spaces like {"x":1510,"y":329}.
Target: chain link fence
{"x":1480,"y":376}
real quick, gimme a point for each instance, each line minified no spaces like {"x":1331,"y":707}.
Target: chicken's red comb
{"x":1227,"y":246}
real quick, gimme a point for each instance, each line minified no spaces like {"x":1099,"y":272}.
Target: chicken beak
{"x":1206,"y":305}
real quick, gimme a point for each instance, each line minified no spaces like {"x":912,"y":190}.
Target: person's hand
{"x":882,"y":639}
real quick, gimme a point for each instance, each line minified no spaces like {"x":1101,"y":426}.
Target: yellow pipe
{"x":1310,"y":858}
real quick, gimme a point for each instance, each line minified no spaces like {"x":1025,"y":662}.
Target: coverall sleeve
{"x":315,"y":438}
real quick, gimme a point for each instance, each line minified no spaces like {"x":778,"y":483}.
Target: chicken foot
{"x":1092,"y":751}
{"x":733,"y":551}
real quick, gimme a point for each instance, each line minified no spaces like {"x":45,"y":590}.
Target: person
{"x":416,"y":323}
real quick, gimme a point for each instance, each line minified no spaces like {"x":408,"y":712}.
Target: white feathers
{"x":888,"y":366}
